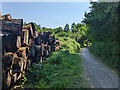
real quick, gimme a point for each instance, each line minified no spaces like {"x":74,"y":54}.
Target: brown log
{"x":38,"y":40}
{"x":8,"y":79}
{"x":13,"y":26}
{"x":19,"y":76}
{"x":32,"y":29}
{"x":38,"y":49}
{"x":18,"y":41}
{"x":14,"y":78}
{"x":7,"y":60}
{"x":26,"y":26}
{"x":41,"y":35}
{"x":47,"y":53}
{"x":49,"y":49}
{"x":44,"y":53}
{"x":26,"y":36}
{"x":5,"y":17}
{"x":23,"y":52}
{"x":28,"y":64}
{"x":45,"y":47}
{"x":9,"y":42}
{"x":32,"y":50}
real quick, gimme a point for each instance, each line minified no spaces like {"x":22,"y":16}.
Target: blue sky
{"x":47,"y":14}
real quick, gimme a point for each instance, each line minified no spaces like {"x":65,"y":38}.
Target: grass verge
{"x":101,"y":60}
{"x":63,"y":70}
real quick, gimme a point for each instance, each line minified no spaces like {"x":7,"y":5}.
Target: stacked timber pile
{"x":45,"y":43}
{"x":22,"y":46}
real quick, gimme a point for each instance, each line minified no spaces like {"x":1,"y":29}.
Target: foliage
{"x":102,"y":22}
{"x":73,"y":27}
{"x":78,"y":33}
{"x":64,"y":68}
{"x":66,"y":28}
{"x":23,"y":79}
{"x":69,"y":44}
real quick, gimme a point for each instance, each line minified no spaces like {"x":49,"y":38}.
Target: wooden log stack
{"x":46,"y":43}
{"x":22,"y":46}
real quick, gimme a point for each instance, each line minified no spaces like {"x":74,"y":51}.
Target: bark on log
{"x":38,"y":40}
{"x":9,"y":42}
{"x":26,"y":36}
{"x":32,"y":50}
{"x":12,"y":26}
{"x":18,"y":41}
{"x":14,"y":77}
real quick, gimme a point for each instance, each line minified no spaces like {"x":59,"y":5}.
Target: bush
{"x":55,"y":58}
{"x":108,"y":52}
{"x":69,"y":44}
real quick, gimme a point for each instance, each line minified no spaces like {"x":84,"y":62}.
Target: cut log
{"x":38,"y":49}
{"x":28,"y":65}
{"x":12,"y":26}
{"x":6,"y":80}
{"x":32,"y":29}
{"x":47,"y":53}
{"x":7,"y":60}
{"x":14,"y":78}
{"x":25,"y":65}
{"x":18,"y":41}
{"x":26,"y":36}
{"x":9,"y":42}
{"x":38,"y":40}
{"x":23,"y":52}
{"x":33,"y":51}
{"x":49,"y":49}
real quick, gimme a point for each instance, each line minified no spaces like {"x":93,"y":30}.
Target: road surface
{"x":99,"y":75}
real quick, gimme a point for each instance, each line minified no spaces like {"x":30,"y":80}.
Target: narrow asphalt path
{"x":99,"y":75}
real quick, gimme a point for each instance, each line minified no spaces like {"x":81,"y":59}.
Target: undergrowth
{"x":108,"y":52}
{"x":64,"y":68}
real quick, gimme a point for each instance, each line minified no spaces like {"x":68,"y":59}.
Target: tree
{"x":66,"y":28}
{"x":43,"y":28}
{"x":73,"y":27}
{"x":103,"y":30}
{"x":58,"y":30}
{"x":24,"y":23}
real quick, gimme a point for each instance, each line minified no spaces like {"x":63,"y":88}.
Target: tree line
{"x":103,"y":31}
{"x":78,"y":32}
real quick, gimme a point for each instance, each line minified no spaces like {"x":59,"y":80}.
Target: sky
{"x":47,"y":14}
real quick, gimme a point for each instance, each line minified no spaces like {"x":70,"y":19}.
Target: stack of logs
{"x":22,"y":47}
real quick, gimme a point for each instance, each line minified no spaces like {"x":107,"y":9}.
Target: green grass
{"x":64,"y":68}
